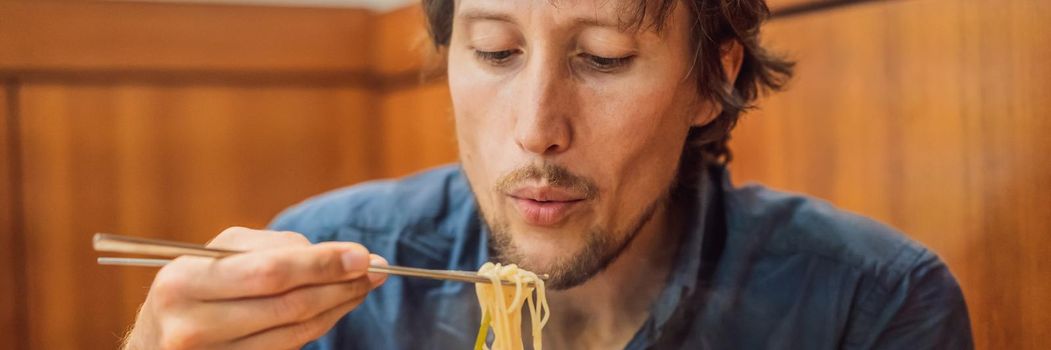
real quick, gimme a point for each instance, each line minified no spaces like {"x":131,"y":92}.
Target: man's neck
{"x":607,"y":310}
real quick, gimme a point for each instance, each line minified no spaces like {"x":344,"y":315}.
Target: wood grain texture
{"x":400,"y":43}
{"x":12,"y":288}
{"x":167,"y":121}
{"x":418,"y":129}
{"x":417,"y":120}
{"x":110,"y":35}
{"x":930,"y":116}
{"x":776,"y":5}
{"x":169,"y":162}
{"x":786,"y":8}
{"x":9,"y":316}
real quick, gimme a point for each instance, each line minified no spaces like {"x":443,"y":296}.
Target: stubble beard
{"x":601,"y":248}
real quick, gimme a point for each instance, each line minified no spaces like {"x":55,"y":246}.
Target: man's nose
{"x":542,"y":124}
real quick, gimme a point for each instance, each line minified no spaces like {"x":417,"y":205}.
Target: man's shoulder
{"x":794,"y":264}
{"x":428,"y":198}
{"x":785,"y":225}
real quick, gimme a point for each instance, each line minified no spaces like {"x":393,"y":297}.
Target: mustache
{"x":554,"y":175}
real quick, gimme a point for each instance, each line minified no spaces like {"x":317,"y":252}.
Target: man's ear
{"x":732,"y":56}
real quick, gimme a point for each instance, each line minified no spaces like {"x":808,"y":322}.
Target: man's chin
{"x":541,"y":259}
{"x":555,"y":267}
{"x":567,"y":263}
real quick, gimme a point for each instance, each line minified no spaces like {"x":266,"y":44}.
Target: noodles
{"x":502,"y":307}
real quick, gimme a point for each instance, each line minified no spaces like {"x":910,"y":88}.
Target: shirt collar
{"x":683,"y":280}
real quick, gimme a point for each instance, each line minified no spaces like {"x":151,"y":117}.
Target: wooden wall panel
{"x":931,"y":116}
{"x":776,"y":5}
{"x":126,"y":36}
{"x":418,"y":129}
{"x":400,"y":43}
{"x":166,"y":120}
{"x":9,"y":316}
{"x":11,"y":287}
{"x":171,"y":162}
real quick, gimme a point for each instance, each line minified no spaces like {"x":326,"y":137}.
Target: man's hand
{"x":282,"y":294}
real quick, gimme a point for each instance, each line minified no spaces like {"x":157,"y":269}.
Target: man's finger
{"x":294,"y":336}
{"x":245,"y":239}
{"x":243,"y":317}
{"x":266,"y":272}
{"x":377,"y":278}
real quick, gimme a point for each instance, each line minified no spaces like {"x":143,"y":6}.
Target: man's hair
{"x":715,"y":22}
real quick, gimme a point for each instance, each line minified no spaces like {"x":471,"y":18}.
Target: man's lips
{"x":544,"y":206}
{"x":546,"y":194}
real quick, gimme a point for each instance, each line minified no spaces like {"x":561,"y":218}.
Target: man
{"x":592,"y":139}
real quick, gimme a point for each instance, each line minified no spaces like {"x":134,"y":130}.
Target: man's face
{"x":570,"y":126}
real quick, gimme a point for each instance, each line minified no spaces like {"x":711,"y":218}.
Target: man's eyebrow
{"x":479,"y":15}
{"x":595,"y":22}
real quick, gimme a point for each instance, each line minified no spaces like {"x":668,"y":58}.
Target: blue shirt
{"x":756,"y":269}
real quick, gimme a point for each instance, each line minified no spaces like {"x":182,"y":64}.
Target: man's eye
{"x":495,"y":57}
{"x":606,"y":64}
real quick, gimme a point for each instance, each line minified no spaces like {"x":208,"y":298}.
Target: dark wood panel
{"x":780,"y":4}
{"x":12,"y":287}
{"x":110,"y":35}
{"x":171,"y":162}
{"x":931,"y":116}
{"x":790,"y":8}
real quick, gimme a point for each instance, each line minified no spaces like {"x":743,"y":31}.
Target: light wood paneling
{"x":417,"y":120}
{"x":400,"y":43}
{"x":167,"y":121}
{"x":170,"y":162}
{"x":418,"y":129}
{"x":110,"y":35}
{"x":931,"y":116}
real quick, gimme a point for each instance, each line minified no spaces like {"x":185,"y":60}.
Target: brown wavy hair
{"x":715,"y":22}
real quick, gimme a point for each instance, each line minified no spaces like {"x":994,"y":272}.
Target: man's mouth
{"x":545,"y":205}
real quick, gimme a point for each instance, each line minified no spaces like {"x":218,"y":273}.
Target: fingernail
{"x":355,"y":260}
{"x":375,"y":277}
